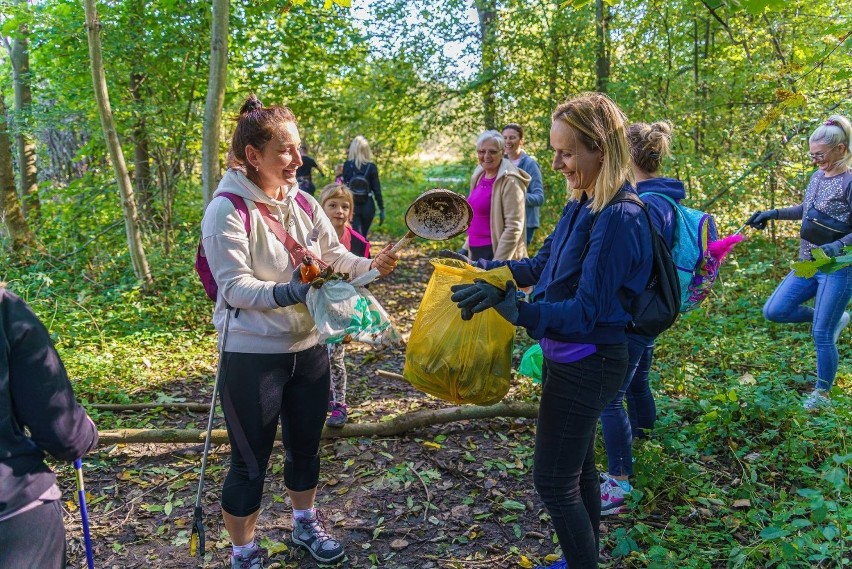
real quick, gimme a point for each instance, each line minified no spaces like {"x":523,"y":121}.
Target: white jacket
{"x":247,"y":268}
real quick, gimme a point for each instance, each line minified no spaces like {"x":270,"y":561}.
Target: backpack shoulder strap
{"x":239,"y":204}
{"x":305,"y":205}
{"x":296,"y":251}
{"x":659,"y":195}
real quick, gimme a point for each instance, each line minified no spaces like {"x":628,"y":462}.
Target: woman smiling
{"x":497,"y":194}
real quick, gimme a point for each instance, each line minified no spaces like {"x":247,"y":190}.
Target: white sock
{"x":302,"y":514}
{"x":238,"y":549}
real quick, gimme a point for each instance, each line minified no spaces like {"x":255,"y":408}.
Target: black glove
{"x":447,"y":254}
{"x":479,"y":296}
{"x":834,"y":249}
{"x":381,"y":216}
{"x":294,"y":292}
{"x":759,"y":219}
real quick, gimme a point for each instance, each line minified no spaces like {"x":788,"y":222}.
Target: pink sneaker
{"x":339,"y":414}
{"x":612,"y":497}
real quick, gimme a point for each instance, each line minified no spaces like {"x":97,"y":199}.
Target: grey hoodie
{"x":247,"y":268}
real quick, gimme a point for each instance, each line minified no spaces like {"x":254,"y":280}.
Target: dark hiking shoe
{"x":311,"y":534}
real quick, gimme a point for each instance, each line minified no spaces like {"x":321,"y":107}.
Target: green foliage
{"x":822,"y":262}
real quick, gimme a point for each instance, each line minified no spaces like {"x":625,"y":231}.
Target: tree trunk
{"x":10,"y":207}
{"x":28,"y":180}
{"x":210,"y":171}
{"x":487,"y":12}
{"x":602,"y":49}
{"x":396,"y":426}
{"x":141,"y":156}
{"x":128,"y":200}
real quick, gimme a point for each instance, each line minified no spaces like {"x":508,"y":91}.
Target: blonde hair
{"x":836,"y":130}
{"x":601,"y":126}
{"x":339,"y":191}
{"x":649,"y":144}
{"x":359,"y":151}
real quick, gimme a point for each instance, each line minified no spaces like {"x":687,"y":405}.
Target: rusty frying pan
{"x":436,"y":215}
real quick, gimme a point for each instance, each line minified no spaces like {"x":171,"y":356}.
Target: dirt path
{"x":454,"y":496}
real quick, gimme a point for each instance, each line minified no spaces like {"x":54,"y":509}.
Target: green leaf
{"x":514,"y":505}
{"x":772,"y":532}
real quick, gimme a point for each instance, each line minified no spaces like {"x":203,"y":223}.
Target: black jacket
{"x":34,"y":393}
{"x":371,"y":172}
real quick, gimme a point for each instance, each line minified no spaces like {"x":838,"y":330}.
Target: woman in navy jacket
{"x":579,"y":312}
{"x":649,"y":144}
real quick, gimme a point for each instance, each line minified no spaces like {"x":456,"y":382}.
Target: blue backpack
{"x":696,"y":268}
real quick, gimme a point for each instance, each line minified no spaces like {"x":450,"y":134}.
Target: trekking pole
{"x":84,"y":514}
{"x":743,"y":226}
{"x":196,"y":539}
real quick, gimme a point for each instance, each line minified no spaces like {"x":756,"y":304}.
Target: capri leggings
{"x":256,"y":390}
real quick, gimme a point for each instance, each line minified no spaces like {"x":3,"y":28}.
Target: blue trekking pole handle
{"x":84,"y":514}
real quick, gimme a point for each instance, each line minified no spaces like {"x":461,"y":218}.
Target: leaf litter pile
{"x":458,"y":495}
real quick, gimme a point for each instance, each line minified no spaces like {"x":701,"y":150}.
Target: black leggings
{"x":35,"y":538}
{"x":362,"y":217}
{"x":257,"y":389}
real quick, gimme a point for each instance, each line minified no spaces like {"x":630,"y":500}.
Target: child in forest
{"x":337,"y":203}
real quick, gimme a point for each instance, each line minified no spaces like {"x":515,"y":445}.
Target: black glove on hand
{"x":447,"y":254}
{"x":381,"y":216}
{"x":834,"y":249}
{"x":479,"y":296}
{"x":294,"y":292}
{"x":759,"y":219}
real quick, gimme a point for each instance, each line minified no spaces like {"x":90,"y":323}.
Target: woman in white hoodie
{"x":272,"y":366}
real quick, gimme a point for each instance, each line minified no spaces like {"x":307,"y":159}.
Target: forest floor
{"x":456,"y":495}
{"x":736,"y":475}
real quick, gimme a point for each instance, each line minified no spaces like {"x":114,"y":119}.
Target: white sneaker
{"x":817,"y":399}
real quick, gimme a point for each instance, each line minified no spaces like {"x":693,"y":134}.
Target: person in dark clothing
{"x":361,"y":175}
{"x":649,"y":144}
{"x":597,"y":259}
{"x":38,"y":415}
{"x":303,"y":172}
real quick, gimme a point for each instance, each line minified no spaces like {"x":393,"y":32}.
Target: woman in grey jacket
{"x":514,"y":137}
{"x":273,"y":367}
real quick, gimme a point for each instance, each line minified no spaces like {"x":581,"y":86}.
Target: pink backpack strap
{"x":304,"y":204}
{"x":296,"y":251}
{"x":241,"y":207}
{"x":362,"y":239}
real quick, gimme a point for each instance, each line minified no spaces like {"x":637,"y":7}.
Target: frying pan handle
{"x":403,"y":242}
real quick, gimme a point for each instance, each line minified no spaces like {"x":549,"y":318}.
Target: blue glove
{"x":381,"y":216}
{"x":447,"y":254}
{"x":480,"y":296}
{"x":294,"y":292}
{"x":759,"y":219}
{"x":834,"y":249}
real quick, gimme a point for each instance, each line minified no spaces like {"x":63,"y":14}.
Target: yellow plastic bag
{"x":454,"y":360}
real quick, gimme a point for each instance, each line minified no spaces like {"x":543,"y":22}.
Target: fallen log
{"x":148,"y":406}
{"x":396,"y":426}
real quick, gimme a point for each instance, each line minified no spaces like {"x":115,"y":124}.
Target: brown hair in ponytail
{"x":649,"y":144}
{"x":256,"y":125}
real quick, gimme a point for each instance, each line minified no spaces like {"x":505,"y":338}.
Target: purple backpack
{"x":202,"y":267}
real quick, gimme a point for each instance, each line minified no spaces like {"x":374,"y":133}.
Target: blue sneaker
{"x":561,"y":564}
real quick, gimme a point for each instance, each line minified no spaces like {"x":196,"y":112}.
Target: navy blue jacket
{"x":617,"y":264}
{"x":662,"y":212}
